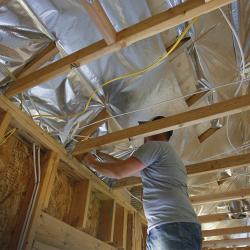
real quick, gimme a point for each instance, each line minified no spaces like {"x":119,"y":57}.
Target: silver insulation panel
{"x":208,"y":61}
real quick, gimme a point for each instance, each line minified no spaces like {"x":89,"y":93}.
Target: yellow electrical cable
{"x":148,"y":68}
{"x":7,"y":135}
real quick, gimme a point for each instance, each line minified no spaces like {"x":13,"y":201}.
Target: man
{"x":172,"y":222}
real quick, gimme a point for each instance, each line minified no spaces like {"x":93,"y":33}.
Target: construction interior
{"x":77,"y":76}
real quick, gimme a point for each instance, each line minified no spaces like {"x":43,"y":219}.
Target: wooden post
{"x":48,"y":170}
{"x":130,"y":230}
{"x":119,"y":240}
{"x":100,"y":19}
{"x":80,"y":204}
{"x":105,"y":230}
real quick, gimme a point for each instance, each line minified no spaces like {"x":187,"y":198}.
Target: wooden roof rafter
{"x":145,"y":29}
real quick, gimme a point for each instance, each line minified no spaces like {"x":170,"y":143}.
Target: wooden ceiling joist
{"x":195,"y":98}
{"x":239,"y":194}
{"x":147,"y":28}
{"x":185,"y":119}
{"x":206,"y":134}
{"x":39,"y":60}
{"x":208,"y":218}
{"x":208,"y":244}
{"x":100,"y":19}
{"x":225,"y":231}
{"x":198,"y":168}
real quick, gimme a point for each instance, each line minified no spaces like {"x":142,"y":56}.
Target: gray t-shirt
{"x":164,"y":179}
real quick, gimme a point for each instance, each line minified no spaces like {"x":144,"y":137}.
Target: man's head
{"x":159,"y":137}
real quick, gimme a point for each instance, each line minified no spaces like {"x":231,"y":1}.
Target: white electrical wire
{"x":37,"y":178}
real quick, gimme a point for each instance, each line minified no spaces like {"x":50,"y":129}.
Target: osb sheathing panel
{"x":93,"y":215}
{"x":16,"y":170}
{"x":61,"y":197}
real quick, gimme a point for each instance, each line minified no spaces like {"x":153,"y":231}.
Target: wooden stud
{"x":80,"y":204}
{"x":54,"y":232}
{"x":106,"y":221}
{"x":47,"y":178}
{"x":181,"y":43}
{"x":225,"y":231}
{"x":118,"y":240}
{"x":4,"y":123}
{"x":129,"y":238}
{"x":239,"y":194}
{"x":39,"y":60}
{"x":100,"y":19}
{"x":195,"y":98}
{"x":42,"y":246}
{"x":226,"y":243}
{"x":208,"y":218}
{"x":185,"y":119}
{"x":206,"y":134}
{"x":197,"y":169}
{"x":147,"y":28}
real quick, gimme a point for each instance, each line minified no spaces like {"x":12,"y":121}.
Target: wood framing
{"x":239,"y":194}
{"x":60,"y":235}
{"x":226,"y":243}
{"x":129,"y":235}
{"x":49,"y":168}
{"x":107,"y":221}
{"x":33,"y":133}
{"x":80,"y":204}
{"x":135,"y":33}
{"x":202,"y":137}
{"x":39,"y":60}
{"x":100,"y":19}
{"x":119,"y":240}
{"x":195,"y":98}
{"x":198,"y":168}
{"x":5,"y":120}
{"x":208,"y":218}
{"x":225,"y":231}
{"x":185,"y":119}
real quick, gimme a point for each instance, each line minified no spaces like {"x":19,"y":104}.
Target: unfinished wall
{"x":16,"y":171}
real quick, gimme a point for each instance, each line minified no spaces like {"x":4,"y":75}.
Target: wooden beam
{"x":213,"y":217}
{"x":147,"y":28}
{"x":197,"y":169}
{"x":54,"y":232}
{"x":195,"y":98}
{"x":226,"y":243}
{"x":239,"y":194}
{"x":225,"y":231}
{"x":185,"y":119}
{"x":42,"y":246}
{"x":80,"y":204}
{"x":39,"y":60}
{"x":206,"y":134}
{"x":5,"y":120}
{"x":89,"y":130}
{"x":100,"y":19}
{"x":106,"y":221}
{"x":48,"y":170}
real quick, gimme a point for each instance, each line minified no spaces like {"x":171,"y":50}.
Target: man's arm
{"x":118,"y":170}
